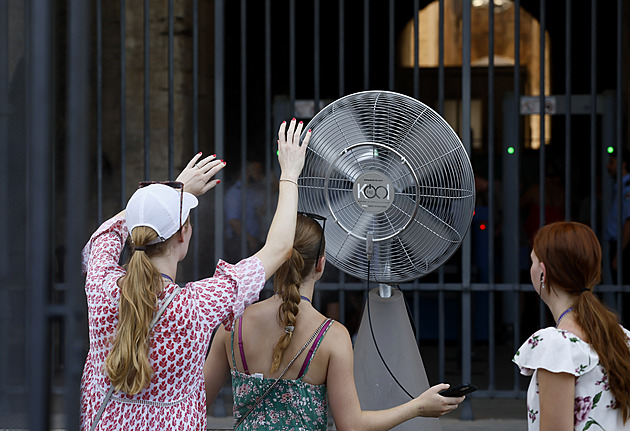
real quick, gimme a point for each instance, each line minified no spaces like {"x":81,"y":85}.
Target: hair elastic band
{"x":289,"y":329}
{"x":584,"y":289}
{"x":140,"y":249}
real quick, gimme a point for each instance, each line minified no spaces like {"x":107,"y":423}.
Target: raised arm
{"x":344,"y":401}
{"x":291,"y":154}
{"x":198,"y":173}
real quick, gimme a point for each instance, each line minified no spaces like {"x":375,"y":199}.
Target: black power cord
{"x":374,"y":338}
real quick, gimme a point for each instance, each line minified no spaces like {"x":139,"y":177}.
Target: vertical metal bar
{"x":416,"y":311}
{"x":171,"y":92}
{"x":147,"y":106}
{"x":243,"y":236}
{"x":619,"y":146}
{"x":593,"y":115}
{"x":516,"y":140}
{"x":77,"y":198}
{"x":366,"y":44}
{"x":316,"y":54}
{"x":392,"y":46}
{"x":466,"y":246}
{"x":441,"y":328}
{"x":342,"y":48}
{"x":219,"y":118}
{"x":441,"y":63}
{"x":123,"y":105}
{"x":441,"y":316}
{"x":4,"y":139}
{"x":543,"y":153}
{"x":268,"y":109}
{"x":39,"y":120}
{"x":195,"y":125}
{"x":568,"y":115}
{"x":491,"y":339}
{"x":99,"y":111}
{"x":342,"y":305}
{"x":292,"y":77}
{"x":416,"y":49}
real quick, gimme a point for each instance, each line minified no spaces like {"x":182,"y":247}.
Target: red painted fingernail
{"x":224,"y":163}
{"x":218,"y":181}
{"x":199,"y":153}
{"x":300,"y":122}
{"x":221,"y":159}
{"x":293,"y":119}
{"x":309,"y":130}
{"x":214,"y":155}
{"x":284,"y":122}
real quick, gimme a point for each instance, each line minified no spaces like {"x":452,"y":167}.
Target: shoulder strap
{"x":232,"y":346}
{"x":157,"y":316}
{"x":240,"y":345}
{"x":273,"y":385}
{"x":314,"y":347}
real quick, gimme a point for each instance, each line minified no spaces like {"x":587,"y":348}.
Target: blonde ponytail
{"x":127,"y":364}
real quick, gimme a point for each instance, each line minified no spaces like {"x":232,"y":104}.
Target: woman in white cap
{"x":148,"y":336}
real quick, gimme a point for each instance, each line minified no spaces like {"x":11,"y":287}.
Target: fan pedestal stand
{"x":376,"y":388}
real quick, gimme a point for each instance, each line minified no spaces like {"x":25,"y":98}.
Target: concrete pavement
{"x":489,"y":415}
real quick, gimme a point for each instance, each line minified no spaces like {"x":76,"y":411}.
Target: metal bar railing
{"x":568,"y":117}
{"x":171,"y":91}
{"x":147,"y":92}
{"x":466,"y":295}
{"x":39,"y":121}
{"x":243,"y":122}
{"x":366,"y":44}
{"x":123,"y":105}
{"x":491,"y":201}
{"x":542,"y":165}
{"x":219,"y":117}
{"x":195,"y":124}
{"x":593,"y":115}
{"x":99,"y":111}
{"x":77,"y":156}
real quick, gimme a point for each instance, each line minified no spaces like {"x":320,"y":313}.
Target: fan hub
{"x":373,"y":192}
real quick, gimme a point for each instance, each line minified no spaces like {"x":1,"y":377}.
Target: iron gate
{"x":95,"y":96}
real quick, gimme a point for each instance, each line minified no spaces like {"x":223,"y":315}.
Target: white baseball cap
{"x":158,"y":206}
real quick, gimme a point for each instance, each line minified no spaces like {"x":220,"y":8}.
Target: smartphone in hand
{"x":458,"y":391}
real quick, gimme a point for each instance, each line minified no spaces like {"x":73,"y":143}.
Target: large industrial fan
{"x":397,"y":188}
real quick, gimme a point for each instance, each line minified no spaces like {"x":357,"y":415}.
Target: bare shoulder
{"x":338,"y":337}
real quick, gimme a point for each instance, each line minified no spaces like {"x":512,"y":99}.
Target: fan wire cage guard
{"x":385,"y":168}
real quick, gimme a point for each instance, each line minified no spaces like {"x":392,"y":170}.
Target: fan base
{"x":396,"y":342}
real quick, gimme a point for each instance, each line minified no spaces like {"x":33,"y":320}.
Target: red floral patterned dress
{"x":175,"y":398}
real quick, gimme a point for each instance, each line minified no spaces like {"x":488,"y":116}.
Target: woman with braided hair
{"x":287,"y":360}
{"x":579,"y":368}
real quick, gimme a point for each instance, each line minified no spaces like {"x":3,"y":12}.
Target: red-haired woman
{"x":580,"y":367}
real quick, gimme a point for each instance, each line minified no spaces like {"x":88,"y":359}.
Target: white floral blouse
{"x":561,"y":351}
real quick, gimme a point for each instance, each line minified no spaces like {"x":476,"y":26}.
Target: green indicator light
{"x":278,"y":153}
{"x":510,"y":150}
{"x":610,"y":150}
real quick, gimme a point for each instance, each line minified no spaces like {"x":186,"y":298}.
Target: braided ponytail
{"x":291,"y":273}
{"x":288,"y":278}
{"x":127,"y":364}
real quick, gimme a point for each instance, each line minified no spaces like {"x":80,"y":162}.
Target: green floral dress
{"x":561,"y":351}
{"x":291,"y":405}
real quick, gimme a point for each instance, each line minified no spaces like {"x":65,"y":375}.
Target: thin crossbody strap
{"x":273,"y":385}
{"x":157,"y":316}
